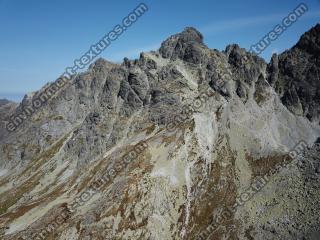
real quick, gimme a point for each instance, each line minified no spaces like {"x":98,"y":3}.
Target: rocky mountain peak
{"x":186,"y":45}
{"x":188,"y":35}
{"x":161,"y":146}
{"x":310,"y":41}
{"x":295,"y":75}
{"x":101,"y":63}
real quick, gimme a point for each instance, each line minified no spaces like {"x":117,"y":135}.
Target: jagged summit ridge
{"x":310,"y":41}
{"x":106,"y":135}
{"x":295,"y":75}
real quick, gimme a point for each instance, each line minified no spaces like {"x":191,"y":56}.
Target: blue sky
{"x":39,"y":39}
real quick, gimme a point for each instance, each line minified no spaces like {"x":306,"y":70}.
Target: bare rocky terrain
{"x":172,"y":145}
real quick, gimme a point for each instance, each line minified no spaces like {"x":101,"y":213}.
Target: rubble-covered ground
{"x":169,"y":146}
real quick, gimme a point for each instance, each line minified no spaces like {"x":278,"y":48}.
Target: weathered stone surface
{"x":164,"y":146}
{"x":295,"y":75}
{"x":187,"y":46}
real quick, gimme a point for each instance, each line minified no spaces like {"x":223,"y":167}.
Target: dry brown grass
{"x":262,"y":166}
{"x":214,"y":198}
{"x":11,"y":197}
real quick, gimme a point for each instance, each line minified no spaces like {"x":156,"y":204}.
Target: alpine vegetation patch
{"x":258,"y":184}
{"x":227,"y":212}
{"x":72,"y":71}
{"x":88,"y":194}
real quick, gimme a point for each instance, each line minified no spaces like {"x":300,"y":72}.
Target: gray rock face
{"x":187,"y":46}
{"x":161,"y":146}
{"x":6,"y":109}
{"x":310,"y":42}
{"x":295,"y":74}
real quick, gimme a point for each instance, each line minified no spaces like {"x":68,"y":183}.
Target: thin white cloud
{"x":240,"y":23}
{"x":220,"y":26}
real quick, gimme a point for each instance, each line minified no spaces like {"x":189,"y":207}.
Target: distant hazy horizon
{"x":14,"y":97}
